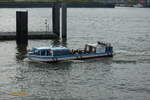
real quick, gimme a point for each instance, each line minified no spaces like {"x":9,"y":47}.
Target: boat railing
{"x":77,"y":51}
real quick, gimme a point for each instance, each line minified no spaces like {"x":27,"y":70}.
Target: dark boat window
{"x":42,"y":52}
{"x":61,"y":52}
{"x":36,"y":52}
{"x":48,"y":53}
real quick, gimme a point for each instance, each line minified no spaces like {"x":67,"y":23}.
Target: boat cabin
{"x":99,"y":47}
{"x":50,"y":51}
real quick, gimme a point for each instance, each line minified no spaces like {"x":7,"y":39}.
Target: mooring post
{"x":64,"y":21}
{"x":22,"y":27}
{"x":56,"y":18}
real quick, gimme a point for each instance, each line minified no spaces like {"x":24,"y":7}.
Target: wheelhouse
{"x":99,"y":47}
{"x":44,"y":51}
{"x":50,"y":51}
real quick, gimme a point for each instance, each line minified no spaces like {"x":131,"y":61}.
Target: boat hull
{"x":68,"y":57}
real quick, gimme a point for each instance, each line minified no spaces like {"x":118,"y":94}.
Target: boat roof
{"x":96,"y":44}
{"x":93,"y":45}
{"x":59,"y":48}
{"x":50,"y":48}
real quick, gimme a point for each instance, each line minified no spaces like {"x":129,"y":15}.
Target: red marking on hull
{"x":94,"y":57}
{"x":82,"y":58}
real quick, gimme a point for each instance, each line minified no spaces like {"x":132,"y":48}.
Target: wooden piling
{"x":22,"y":27}
{"x":64,"y":21}
{"x":56,"y":18}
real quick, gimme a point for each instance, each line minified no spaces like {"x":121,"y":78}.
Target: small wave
{"x":134,"y":89}
{"x":124,"y":61}
{"x":139,"y":90}
{"x":144,"y":60}
{"x":133,"y":53}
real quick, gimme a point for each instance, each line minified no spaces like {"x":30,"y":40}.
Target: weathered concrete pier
{"x":64,"y":21}
{"x":31,"y":35}
{"x":56,"y":18}
{"x":49,"y":3}
{"x":22,"y":27}
{"x":22,"y":35}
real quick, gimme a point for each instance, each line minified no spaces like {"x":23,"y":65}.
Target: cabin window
{"x":61,"y":52}
{"x":90,"y":49}
{"x":100,"y":49}
{"x":48,"y":53}
{"x":42,"y":52}
{"x":37,"y":52}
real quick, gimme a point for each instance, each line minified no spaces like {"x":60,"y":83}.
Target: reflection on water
{"x":42,"y":80}
{"x":64,"y":42}
{"x":59,"y":42}
{"x":21,"y":52}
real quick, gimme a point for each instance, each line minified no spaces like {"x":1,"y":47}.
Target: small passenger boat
{"x":54,"y":54}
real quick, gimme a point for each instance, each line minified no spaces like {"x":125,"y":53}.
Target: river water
{"x":126,"y":76}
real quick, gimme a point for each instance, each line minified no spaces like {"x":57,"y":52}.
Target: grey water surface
{"x":126,"y":76}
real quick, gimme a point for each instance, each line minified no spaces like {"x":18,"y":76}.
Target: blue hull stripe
{"x":68,"y":56}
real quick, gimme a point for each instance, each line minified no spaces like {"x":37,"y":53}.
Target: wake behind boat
{"x":53,"y":54}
